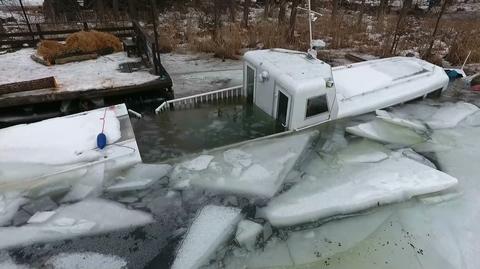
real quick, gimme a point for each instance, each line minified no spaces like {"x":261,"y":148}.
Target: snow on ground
{"x":100,"y":73}
{"x":210,"y":229}
{"x":255,"y":168}
{"x":91,"y":216}
{"x":198,"y":73}
{"x":58,"y":141}
{"x":86,"y":260}
{"x":354,"y":188}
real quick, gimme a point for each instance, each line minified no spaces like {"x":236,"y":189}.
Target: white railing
{"x":232,"y":92}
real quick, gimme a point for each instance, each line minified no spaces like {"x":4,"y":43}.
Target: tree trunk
{"x":116,"y":7}
{"x":360,"y":14}
{"x":293,"y":20}
{"x":282,"y":11}
{"x":381,"y":9}
{"x":266,"y":11}
{"x":334,"y":10}
{"x":100,"y":8}
{"x":428,"y":53}
{"x":399,"y":27}
{"x":232,"y":7}
{"x":246,"y":11}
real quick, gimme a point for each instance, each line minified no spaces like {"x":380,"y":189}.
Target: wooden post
{"x":23,"y":86}
{"x":26,"y":19}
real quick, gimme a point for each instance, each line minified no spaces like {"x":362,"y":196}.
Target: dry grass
{"x":50,"y":50}
{"x":79,"y":43}
{"x":92,"y":41}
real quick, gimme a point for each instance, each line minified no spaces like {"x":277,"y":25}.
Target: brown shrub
{"x":92,"y":41}
{"x":49,"y":50}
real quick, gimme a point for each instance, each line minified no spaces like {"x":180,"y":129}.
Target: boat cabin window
{"x":316,"y":105}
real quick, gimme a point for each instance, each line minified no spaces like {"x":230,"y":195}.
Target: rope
{"x":103,"y":119}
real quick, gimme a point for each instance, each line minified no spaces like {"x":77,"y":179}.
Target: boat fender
{"x":101,"y":140}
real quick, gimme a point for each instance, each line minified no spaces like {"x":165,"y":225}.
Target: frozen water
{"x":147,"y":171}
{"x":363,"y":151}
{"x":198,"y":164}
{"x":9,"y":205}
{"x":130,"y":185}
{"x":86,"y":260}
{"x":210,"y":229}
{"x":449,"y":115}
{"x":388,"y":133}
{"x":41,"y":217}
{"x":247,"y":233}
{"x":90,"y":216}
{"x":256,"y":169}
{"x":412,"y":124}
{"x":6,"y":262}
{"x":354,"y":188}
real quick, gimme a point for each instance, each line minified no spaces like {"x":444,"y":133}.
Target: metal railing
{"x":232,"y":92}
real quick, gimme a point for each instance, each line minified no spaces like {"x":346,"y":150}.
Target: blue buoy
{"x":101,"y":140}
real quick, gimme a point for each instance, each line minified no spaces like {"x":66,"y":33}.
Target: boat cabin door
{"x":282,"y":107}
{"x":250,"y":83}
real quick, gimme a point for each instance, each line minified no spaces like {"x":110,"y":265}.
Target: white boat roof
{"x":365,"y":77}
{"x":292,"y":68}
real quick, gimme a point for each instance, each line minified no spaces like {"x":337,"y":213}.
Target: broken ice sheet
{"x":363,"y":151}
{"x":89,"y":216}
{"x":140,"y":177}
{"x":85,"y":260}
{"x":388,"y":133}
{"x":257,"y":168}
{"x":9,"y":204}
{"x":352,"y":188}
{"x":391,"y":118}
{"x":210,"y":229}
{"x":247,"y":233}
{"x":450,"y":114}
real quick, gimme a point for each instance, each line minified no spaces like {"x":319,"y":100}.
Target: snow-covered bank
{"x":100,"y":73}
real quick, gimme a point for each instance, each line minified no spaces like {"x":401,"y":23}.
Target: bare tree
{"x":282,"y":11}
{"x":266,"y":10}
{"x":293,"y":19}
{"x":334,"y":10}
{"x":361,"y":13}
{"x":246,"y":12}
{"x":407,"y":4}
{"x":428,"y":53}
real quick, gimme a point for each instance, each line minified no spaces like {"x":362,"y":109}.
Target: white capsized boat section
{"x":42,"y":154}
{"x":367,"y":86}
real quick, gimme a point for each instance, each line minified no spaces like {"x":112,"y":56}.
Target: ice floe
{"x":363,"y":151}
{"x":355,"y":188}
{"x":256,"y":169}
{"x":89,"y":216}
{"x":412,"y":124}
{"x":85,"y":260}
{"x":9,"y":205}
{"x":210,"y":229}
{"x":449,"y":115}
{"x":41,"y":217}
{"x":385,"y":132}
{"x":247,"y":233}
{"x":140,"y":177}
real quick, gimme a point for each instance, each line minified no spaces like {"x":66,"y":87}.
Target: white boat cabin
{"x":301,"y":91}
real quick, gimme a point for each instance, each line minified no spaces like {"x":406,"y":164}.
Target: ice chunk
{"x":412,"y":124}
{"x":89,"y":216}
{"x":385,"y":132}
{"x":237,"y":157}
{"x":148,"y":171}
{"x":198,"y":164}
{"x":364,"y":151}
{"x":9,"y":205}
{"x":210,"y":229}
{"x":410,"y":153}
{"x":41,"y":217}
{"x":130,"y":185}
{"x":42,"y":204}
{"x":449,"y":115}
{"x":247,"y":233}
{"x":86,"y":260}
{"x":255,"y":169}
{"x":356,"y":188}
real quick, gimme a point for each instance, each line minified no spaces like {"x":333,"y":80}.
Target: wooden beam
{"x":31,"y":85}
